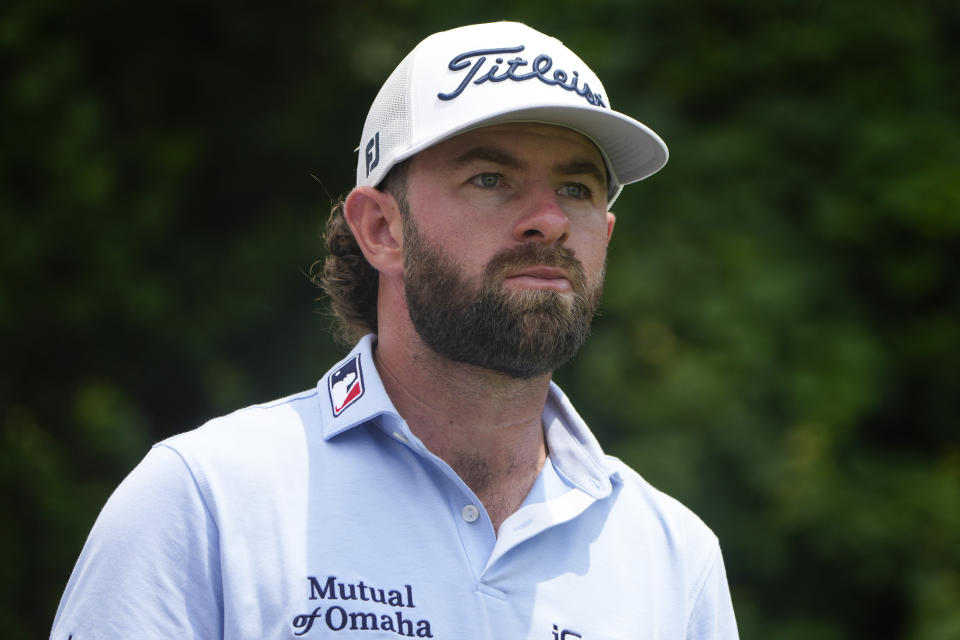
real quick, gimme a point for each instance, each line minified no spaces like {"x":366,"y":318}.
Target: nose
{"x":543,"y":220}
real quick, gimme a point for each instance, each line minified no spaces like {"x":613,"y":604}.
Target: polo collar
{"x":351,"y":393}
{"x":575,"y":451}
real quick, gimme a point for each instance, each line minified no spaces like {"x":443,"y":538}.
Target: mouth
{"x":539,"y":277}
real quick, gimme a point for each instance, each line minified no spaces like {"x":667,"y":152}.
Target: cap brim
{"x":631,"y":150}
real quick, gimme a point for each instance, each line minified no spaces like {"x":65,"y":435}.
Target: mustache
{"x":532,"y":254}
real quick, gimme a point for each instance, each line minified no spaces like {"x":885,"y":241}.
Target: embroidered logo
{"x":564,"y":634}
{"x":539,"y":69}
{"x":345,"y":385}
{"x":356,"y":606}
{"x":372,"y":155}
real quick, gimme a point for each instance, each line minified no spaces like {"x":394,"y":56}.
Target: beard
{"x":522,"y":333}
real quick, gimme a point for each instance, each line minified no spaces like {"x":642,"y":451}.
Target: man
{"x":435,"y":483}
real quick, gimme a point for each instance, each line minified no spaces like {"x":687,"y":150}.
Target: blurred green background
{"x":780,"y":341}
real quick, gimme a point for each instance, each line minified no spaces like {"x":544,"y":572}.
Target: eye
{"x":576,"y":190}
{"x":487,"y":180}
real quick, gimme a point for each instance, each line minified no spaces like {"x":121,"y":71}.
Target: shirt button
{"x":470,"y":513}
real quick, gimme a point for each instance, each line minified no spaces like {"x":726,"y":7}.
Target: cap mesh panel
{"x":390,"y":115}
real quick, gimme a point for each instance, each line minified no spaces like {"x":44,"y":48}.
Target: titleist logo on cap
{"x":540,"y":69}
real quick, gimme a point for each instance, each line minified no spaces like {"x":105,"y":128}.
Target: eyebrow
{"x":489,"y":154}
{"x":572,"y":168}
{"x":582,"y":167}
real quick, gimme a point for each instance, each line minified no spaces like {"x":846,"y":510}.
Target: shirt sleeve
{"x":712,"y":616}
{"x":150,"y":567}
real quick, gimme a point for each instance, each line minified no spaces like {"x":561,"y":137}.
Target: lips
{"x":540,"y":271}
{"x":533,"y":267}
{"x":540,"y":277}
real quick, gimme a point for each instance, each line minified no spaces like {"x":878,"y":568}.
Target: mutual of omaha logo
{"x":357,"y":606}
{"x":345,"y":385}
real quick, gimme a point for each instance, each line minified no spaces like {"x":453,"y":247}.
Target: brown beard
{"x":519,"y":333}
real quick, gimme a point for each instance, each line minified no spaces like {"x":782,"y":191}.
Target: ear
{"x":374,"y":218}
{"x":611,"y":219}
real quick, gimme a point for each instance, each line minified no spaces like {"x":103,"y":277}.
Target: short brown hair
{"x":349,"y":281}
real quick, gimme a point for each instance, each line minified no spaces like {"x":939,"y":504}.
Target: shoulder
{"x":290,"y":411}
{"x":252,"y":452}
{"x":152,"y":551}
{"x":255,"y":430}
{"x":683,"y":531}
{"x":685,"y":545}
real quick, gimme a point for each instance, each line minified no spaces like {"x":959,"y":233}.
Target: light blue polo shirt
{"x":322,"y":515}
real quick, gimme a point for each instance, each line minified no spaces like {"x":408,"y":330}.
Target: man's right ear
{"x":374,"y":217}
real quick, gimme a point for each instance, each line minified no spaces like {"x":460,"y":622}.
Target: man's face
{"x":504,"y":246}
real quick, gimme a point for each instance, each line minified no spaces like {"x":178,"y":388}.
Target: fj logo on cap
{"x":373,"y":152}
{"x":540,"y":69}
{"x":345,"y":385}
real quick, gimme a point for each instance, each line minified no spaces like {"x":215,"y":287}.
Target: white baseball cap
{"x":482,"y":74}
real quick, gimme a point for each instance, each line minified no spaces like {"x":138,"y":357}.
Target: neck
{"x":486,"y":425}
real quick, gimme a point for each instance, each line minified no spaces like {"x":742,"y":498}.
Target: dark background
{"x":779,"y":346}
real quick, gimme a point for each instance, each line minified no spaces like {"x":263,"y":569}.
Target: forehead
{"x":523,"y":139}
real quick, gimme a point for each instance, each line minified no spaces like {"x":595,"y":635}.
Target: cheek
{"x":595,"y":267}
{"x":593,"y":257}
{"x":466,"y":235}
{"x":462,"y":247}
{"x":593,"y":233}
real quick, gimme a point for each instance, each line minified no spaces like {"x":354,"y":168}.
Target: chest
{"x":411,"y":562}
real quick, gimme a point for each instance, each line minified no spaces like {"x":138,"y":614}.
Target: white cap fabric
{"x":482,"y":74}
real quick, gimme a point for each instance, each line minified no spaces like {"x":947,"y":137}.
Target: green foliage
{"x":779,"y":346}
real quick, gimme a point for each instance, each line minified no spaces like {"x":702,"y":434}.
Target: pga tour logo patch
{"x":345,"y":385}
